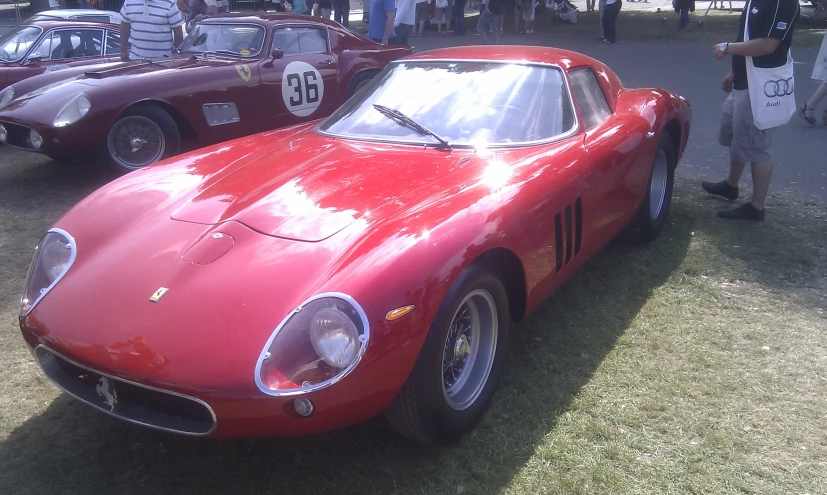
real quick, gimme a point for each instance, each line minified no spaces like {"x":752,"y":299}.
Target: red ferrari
{"x":313,"y":277}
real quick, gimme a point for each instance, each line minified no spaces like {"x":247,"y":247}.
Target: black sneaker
{"x":743,"y":212}
{"x":722,"y":189}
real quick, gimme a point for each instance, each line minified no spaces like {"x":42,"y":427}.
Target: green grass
{"x":695,"y":364}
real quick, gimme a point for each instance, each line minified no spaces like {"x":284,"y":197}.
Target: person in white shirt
{"x":404,"y":22}
{"x":153,"y":28}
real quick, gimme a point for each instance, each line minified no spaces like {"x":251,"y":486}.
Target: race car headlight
{"x":6,"y":96}
{"x":35,"y":139}
{"x":53,"y":257}
{"x":317,"y":345}
{"x":73,"y":111}
{"x":4,"y":134}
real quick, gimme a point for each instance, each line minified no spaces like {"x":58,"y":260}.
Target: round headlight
{"x":4,"y":134}
{"x":73,"y":111}
{"x":334,"y":337}
{"x":35,"y":139}
{"x":6,"y":96}
{"x":84,"y":104}
{"x":54,"y":258}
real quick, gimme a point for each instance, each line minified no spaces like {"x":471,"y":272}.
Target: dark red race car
{"x":235,"y":75}
{"x":313,"y":277}
{"x":48,"y":44}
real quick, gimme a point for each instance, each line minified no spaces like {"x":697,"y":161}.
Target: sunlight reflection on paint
{"x":496,"y":175}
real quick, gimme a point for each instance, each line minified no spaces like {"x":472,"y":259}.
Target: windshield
{"x":15,"y":43}
{"x":243,"y":40}
{"x":466,"y":103}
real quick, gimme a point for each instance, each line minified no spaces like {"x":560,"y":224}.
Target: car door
{"x":57,"y":49}
{"x":613,"y":143}
{"x":302,"y":84}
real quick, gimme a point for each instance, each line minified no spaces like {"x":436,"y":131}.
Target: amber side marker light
{"x":397,"y":313}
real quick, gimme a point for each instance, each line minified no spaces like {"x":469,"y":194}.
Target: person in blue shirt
{"x":380,"y":25}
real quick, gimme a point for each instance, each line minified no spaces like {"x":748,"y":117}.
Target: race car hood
{"x":219,"y":229}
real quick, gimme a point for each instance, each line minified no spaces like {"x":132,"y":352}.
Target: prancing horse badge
{"x":158,"y":294}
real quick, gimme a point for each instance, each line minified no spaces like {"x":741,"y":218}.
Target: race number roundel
{"x":302,"y":88}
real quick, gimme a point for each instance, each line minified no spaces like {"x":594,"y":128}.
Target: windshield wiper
{"x":406,"y":121}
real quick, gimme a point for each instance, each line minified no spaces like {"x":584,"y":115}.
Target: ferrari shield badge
{"x":243,"y":71}
{"x":158,"y":294}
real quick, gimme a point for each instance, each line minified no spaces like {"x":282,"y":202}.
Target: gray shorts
{"x":746,"y":142}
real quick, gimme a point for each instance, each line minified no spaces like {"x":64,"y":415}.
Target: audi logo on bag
{"x":781,"y":87}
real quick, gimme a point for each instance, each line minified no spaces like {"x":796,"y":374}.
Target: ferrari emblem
{"x":158,"y":294}
{"x":107,"y":391}
{"x":243,"y":71}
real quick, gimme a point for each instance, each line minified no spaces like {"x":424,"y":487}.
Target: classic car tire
{"x":360,"y":80}
{"x":655,"y":207}
{"x":146,"y":118}
{"x":422,"y":410}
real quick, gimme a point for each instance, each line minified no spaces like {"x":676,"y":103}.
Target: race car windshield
{"x":465,"y":103}
{"x":242,"y":40}
{"x":15,"y":43}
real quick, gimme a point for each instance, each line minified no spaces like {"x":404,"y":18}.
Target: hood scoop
{"x":209,"y":248}
{"x":308,"y":203}
{"x":117,"y":70}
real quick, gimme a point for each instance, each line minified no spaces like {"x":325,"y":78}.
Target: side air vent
{"x":568,"y":244}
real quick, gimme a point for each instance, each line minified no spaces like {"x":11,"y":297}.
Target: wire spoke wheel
{"x":469,"y":349}
{"x":136,"y":141}
{"x":657,"y":188}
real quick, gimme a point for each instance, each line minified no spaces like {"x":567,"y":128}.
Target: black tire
{"x":422,"y":411}
{"x":149,"y":123}
{"x":358,"y":81}
{"x":650,"y":219}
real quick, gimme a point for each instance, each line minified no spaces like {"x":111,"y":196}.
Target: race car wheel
{"x":359,"y":81}
{"x":655,"y":207}
{"x":142,"y":135}
{"x":456,"y":372}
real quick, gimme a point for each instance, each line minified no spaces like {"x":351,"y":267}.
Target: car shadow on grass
{"x":552,"y":355}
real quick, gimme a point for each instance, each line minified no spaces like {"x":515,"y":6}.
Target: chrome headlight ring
{"x":42,"y":279}
{"x":294,"y":349}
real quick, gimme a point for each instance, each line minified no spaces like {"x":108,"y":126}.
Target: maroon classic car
{"x":46,"y":45}
{"x":233,"y":76}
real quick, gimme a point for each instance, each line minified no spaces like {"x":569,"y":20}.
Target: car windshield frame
{"x":13,"y":33}
{"x":228,"y":51}
{"x":574,"y":130}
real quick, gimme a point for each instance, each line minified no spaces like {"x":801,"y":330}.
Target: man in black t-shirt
{"x":771,"y":25}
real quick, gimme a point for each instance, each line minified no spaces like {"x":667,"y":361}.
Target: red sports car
{"x":48,"y":44}
{"x":234,"y":76}
{"x":313,"y":277}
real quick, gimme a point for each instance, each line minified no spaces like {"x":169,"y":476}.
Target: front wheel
{"x":456,"y":373}
{"x":655,"y":207}
{"x":141,"y":136}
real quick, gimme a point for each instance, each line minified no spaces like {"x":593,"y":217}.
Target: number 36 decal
{"x":302,"y":88}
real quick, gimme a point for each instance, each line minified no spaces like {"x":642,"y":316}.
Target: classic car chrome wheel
{"x":456,"y":372}
{"x":135,"y":142}
{"x":469,"y":349}
{"x":142,"y":135}
{"x":657,"y":186}
{"x":658,"y":194}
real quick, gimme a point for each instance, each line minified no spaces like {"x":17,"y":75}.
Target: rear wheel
{"x":456,"y":373}
{"x":359,"y":81}
{"x":142,"y":135}
{"x":655,"y":207}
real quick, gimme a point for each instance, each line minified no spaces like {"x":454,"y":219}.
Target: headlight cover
{"x":53,"y":257}
{"x":73,"y":111}
{"x":317,"y":345}
{"x":6,"y":96}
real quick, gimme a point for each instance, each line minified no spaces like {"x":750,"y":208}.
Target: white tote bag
{"x":771,"y":90}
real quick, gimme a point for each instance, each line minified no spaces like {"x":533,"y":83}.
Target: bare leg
{"x":761,"y":175}
{"x":819,"y":95}
{"x":736,"y":168}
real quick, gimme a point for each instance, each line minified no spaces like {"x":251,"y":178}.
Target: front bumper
{"x":72,"y":141}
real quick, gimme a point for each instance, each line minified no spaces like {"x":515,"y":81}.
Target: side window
{"x":44,"y":49}
{"x":71,"y":43}
{"x":294,"y":41}
{"x":590,"y":98}
{"x":113,"y":43}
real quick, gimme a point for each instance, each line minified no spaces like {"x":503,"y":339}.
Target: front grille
{"x":136,"y":403}
{"x":18,"y":136}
